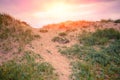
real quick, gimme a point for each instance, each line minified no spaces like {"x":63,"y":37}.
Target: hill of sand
{"x":42,"y":44}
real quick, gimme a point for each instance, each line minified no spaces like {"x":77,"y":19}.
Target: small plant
{"x":49,"y":51}
{"x":84,"y":26}
{"x":20,"y":49}
{"x":43,"y":30}
{"x":60,"y":40}
{"x":37,"y":36}
{"x":62,"y":34}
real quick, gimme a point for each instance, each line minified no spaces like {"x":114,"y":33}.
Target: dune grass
{"x":96,"y":60}
{"x":100,"y":37}
{"x":62,"y":34}
{"x":14,"y":32}
{"x":26,"y":68}
{"x":61,"y":40}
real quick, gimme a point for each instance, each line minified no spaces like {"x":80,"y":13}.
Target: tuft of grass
{"x":61,"y":40}
{"x":37,"y":36}
{"x":43,"y":30}
{"x":62,"y":34}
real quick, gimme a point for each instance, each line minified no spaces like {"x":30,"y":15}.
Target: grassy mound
{"x":27,"y":68}
{"x":98,"y":56}
{"x":14,"y":33}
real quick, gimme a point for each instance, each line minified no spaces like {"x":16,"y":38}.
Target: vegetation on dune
{"x":110,"y":20}
{"x":100,"y":37}
{"x":27,"y":69}
{"x":62,"y":34}
{"x":14,"y":32}
{"x":106,"y":20}
{"x":117,"y":21}
{"x":14,"y":36}
{"x":61,"y":40}
{"x":98,"y":56}
{"x":43,"y":30}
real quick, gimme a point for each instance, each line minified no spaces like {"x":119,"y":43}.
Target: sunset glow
{"x":55,"y":10}
{"x":42,"y":12}
{"x":58,"y":8}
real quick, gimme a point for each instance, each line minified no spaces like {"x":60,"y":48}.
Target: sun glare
{"x":55,"y":10}
{"x":58,"y":9}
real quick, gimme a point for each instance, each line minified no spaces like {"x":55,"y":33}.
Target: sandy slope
{"x":49,"y":51}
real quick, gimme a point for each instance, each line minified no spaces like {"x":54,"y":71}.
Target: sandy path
{"x":59,"y":62}
{"x":47,"y":49}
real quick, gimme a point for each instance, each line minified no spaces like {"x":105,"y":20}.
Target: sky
{"x":38,"y":13}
